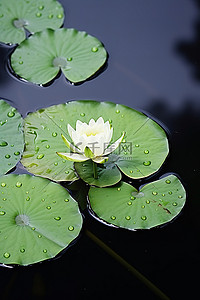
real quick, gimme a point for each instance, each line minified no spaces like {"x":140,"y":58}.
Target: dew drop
{"x":3,"y":184}
{"x":39,"y":235}
{"x":28,"y":199}
{"x":154,"y":193}
{"x":110,"y":121}
{"x":71,"y":228}
{"x":174,"y":204}
{"x":129,"y":203}
{"x":128,"y":218}
{"x":131,"y":171}
{"x":147,"y":201}
{"x":57,"y":218}
{"x":11,"y":114}
{"x":180,"y":196}
{"x":95,"y":49}
{"x":3,"y":143}
{"x":59,"y":16}
{"x":22,"y":250}
{"x":147,"y":163}
{"x":6,"y":255}
{"x":82,"y":114}
{"x":40,"y":156}
{"x":50,"y":16}
{"x":45,"y":250}
{"x":33,"y":228}
{"x":42,"y":199}
{"x":168,"y":181}
{"x":18,"y":184}
{"x":38,"y":14}
{"x":146,"y":151}
{"x":163,"y":195}
{"x":66,"y":172}
{"x":170,"y":193}
{"x":48,"y":207}
{"x":47,"y":146}
{"x":69,"y":59}
{"x":118,"y":189}
{"x":66,"y":200}
{"x":41,"y":7}
{"x":132,"y":198}
{"x":21,"y":62}
{"x":143,"y":218}
{"x":1,"y":15}
{"x":113,"y":217}
{"x":17,"y":153}
{"x":55,"y":164}
{"x":54,"y":134}
{"x":2,"y":213}
{"x":143,"y":206}
{"x":117,"y":111}
{"x":137,"y":145}
{"x":7,"y":156}
{"x":4,"y":199}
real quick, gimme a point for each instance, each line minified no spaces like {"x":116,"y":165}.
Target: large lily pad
{"x":124,"y":206}
{"x":40,"y":58}
{"x":11,"y":137}
{"x":37,"y":15}
{"x":141,"y":153}
{"x":38,"y":219}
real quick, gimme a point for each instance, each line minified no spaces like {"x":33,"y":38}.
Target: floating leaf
{"x":124,"y":206}
{"x":11,"y":137}
{"x":108,"y":173}
{"x":40,"y":58}
{"x":38,"y":219}
{"x":37,"y":15}
{"x":140,"y":154}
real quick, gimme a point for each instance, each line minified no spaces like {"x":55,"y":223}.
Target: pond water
{"x":153,"y":66}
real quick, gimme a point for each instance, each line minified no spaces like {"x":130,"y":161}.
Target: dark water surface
{"x":153,"y":66}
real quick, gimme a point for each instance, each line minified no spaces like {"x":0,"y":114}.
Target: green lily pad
{"x":38,"y":219}
{"x":124,"y":206}
{"x":11,"y":137}
{"x":140,"y":154}
{"x":40,"y":58}
{"x":37,"y":15}
{"x":108,"y":173}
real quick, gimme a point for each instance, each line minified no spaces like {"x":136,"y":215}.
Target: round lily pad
{"x":37,"y":15}
{"x":141,"y":153}
{"x":40,"y":58}
{"x":38,"y":219}
{"x":124,"y":206}
{"x":11,"y":137}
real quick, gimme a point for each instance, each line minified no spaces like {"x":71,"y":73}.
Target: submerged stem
{"x":95,"y":170}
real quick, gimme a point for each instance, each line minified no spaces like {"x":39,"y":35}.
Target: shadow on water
{"x":190,"y":49}
{"x":3,"y":58}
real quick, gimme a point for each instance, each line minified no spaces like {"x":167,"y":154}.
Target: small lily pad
{"x":38,"y":219}
{"x":141,"y":153}
{"x":40,"y":58}
{"x":124,"y":206}
{"x":37,"y":15}
{"x":11,"y":137}
{"x":108,"y":173}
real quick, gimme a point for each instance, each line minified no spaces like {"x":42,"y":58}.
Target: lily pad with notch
{"x":11,"y":137}
{"x":145,"y":141}
{"x":40,"y":58}
{"x":18,"y":16}
{"x":38,"y":219}
{"x":124,"y":206}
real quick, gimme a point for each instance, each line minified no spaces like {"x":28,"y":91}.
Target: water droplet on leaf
{"x":3,"y":143}
{"x":18,"y":184}
{"x":143,"y":218}
{"x":2,"y":213}
{"x":147,"y":163}
{"x":54,"y":134}
{"x":71,"y":228}
{"x":94,"y":49}
{"x":168,"y":181}
{"x":57,"y":218}
{"x":6,"y":255}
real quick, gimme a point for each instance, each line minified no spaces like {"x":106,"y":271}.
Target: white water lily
{"x":90,"y":141}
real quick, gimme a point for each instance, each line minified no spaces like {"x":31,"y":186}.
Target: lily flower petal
{"x":69,"y":145}
{"x":114,"y":146}
{"x":100,"y":160}
{"x":72,"y":156}
{"x":88,"y":152}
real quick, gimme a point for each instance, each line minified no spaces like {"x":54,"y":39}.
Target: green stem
{"x":95,"y":170}
{"x":124,"y":263}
